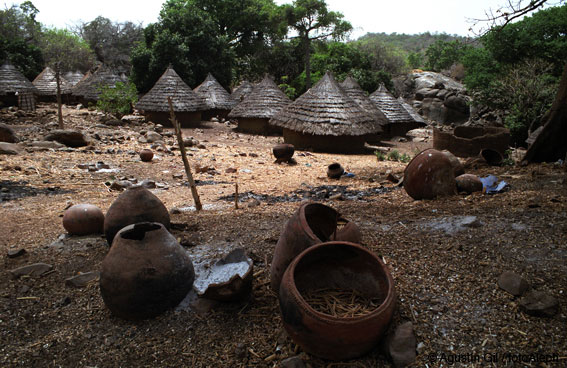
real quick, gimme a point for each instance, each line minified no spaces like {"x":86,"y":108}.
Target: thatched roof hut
{"x":411,"y":111}
{"x":240,"y":92}
{"x":14,"y":86}
{"x":46,"y":84}
{"x":89,"y":88}
{"x":216,"y":98}
{"x":73,"y":77}
{"x":399,"y":119}
{"x":325,"y":118}
{"x":187,"y":105}
{"x":255,"y":111}
{"x":354,"y":91}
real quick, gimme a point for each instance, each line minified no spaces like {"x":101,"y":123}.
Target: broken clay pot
{"x":468,"y":183}
{"x":311,"y":224}
{"x":83,"y":219}
{"x":135,"y":204}
{"x":145,"y":272}
{"x":429,"y":175}
{"x":339,"y":266}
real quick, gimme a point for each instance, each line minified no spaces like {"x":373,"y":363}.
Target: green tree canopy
{"x":69,"y":50}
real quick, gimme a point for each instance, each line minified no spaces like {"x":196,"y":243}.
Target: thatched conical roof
{"x":265,"y":100}
{"x":46,"y":83}
{"x":325,"y":109}
{"x":12,"y":81}
{"x":89,"y":88}
{"x":390,"y":106}
{"x":215,"y":96}
{"x":171,"y":85}
{"x":411,"y":111}
{"x":73,"y":77}
{"x":242,"y":91}
{"x":354,"y":91}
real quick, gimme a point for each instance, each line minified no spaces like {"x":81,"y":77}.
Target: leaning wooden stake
{"x":58,"y":80}
{"x":175,"y":123}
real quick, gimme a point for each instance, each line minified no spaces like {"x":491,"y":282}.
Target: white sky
{"x":389,"y":16}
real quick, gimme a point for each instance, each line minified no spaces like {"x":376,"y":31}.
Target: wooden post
{"x":177,"y":127}
{"x":58,"y":79}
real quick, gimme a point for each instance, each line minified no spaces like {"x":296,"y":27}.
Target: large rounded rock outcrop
{"x":145,"y":272}
{"x":136,"y":204}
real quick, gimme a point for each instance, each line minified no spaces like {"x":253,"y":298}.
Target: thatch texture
{"x":73,"y":77}
{"x":46,"y":83}
{"x":12,"y":81}
{"x":354,"y":91}
{"x":390,"y":106}
{"x":89,"y":89}
{"x":411,"y":111}
{"x":215,"y":96}
{"x":265,"y":100}
{"x":325,"y":109}
{"x":242,"y":91}
{"x":171,"y":85}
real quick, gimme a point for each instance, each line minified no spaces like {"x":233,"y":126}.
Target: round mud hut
{"x":326,"y":119}
{"x":89,"y":88}
{"x":241,"y":91}
{"x":399,"y":119}
{"x":216,"y":98}
{"x":46,"y":84}
{"x":73,"y":77}
{"x":354,"y":91}
{"x":187,"y":105}
{"x":15,"y":88}
{"x":255,"y":111}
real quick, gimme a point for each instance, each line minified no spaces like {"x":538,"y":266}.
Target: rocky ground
{"x":446,"y":255}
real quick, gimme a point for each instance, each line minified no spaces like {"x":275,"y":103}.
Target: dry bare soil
{"x":445,"y":274}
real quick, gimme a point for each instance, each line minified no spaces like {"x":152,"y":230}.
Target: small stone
{"x":82,"y":279}
{"x":33,"y":270}
{"x":336,"y":197}
{"x":9,"y":148}
{"x":292,"y":362}
{"x":201,"y":146}
{"x":152,"y":137}
{"x":402,"y":345}
{"x":230,"y":170}
{"x":539,"y":304}
{"x":14,"y":253}
{"x":120,"y":185}
{"x":253,"y":203}
{"x":513,"y":283}
{"x":470,"y":221}
{"x":148,"y":184}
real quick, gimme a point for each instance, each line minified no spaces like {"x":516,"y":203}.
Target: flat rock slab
{"x":513,"y":283}
{"x":33,"y":270}
{"x":9,"y":148}
{"x":70,"y":138}
{"x":539,"y":304}
{"x":82,"y":279}
{"x":15,"y":253}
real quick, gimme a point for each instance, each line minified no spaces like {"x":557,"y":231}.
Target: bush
{"x":119,"y":99}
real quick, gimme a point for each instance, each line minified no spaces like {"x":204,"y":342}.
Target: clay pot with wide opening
{"x":311,"y":224}
{"x":135,"y":204}
{"x":430,"y":174}
{"x":145,"y":272}
{"x":340,"y":267}
{"x":83,"y":219}
{"x":283,"y":151}
{"x":335,"y":170}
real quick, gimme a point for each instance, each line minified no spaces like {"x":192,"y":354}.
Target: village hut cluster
{"x":329,"y":117}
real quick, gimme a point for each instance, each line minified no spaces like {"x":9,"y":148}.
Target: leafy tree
{"x":313,"y":21}
{"x":118,"y":99}
{"x":383,"y":55}
{"x":67,"y":49}
{"x":111,"y":42}
{"x":441,"y":55}
{"x":416,"y":60}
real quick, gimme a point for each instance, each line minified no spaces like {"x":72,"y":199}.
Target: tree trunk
{"x":550,"y":145}
{"x":307,"y":63}
{"x":59,"y":111}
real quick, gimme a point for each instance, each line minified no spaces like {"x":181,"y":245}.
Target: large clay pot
{"x":283,"y":151}
{"x":468,"y":183}
{"x":338,"y":266}
{"x":335,"y":170}
{"x":458,"y":168}
{"x":136,"y":204}
{"x":312,"y":223}
{"x":429,"y":175}
{"x":83,"y":219}
{"x":145,"y":272}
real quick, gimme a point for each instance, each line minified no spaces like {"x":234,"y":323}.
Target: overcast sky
{"x":389,"y":16}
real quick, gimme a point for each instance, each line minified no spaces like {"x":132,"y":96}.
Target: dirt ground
{"x":445,"y":274}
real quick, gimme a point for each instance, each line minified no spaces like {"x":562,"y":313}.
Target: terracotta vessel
{"x":83,"y":219}
{"x":458,"y":168}
{"x":311,"y":224}
{"x":135,"y":204}
{"x":145,"y":272}
{"x":468,"y":183}
{"x":492,"y":157}
{"x":335,"y":170}
{"x":429,"y":175}
{"x":283,"y":152}
{"x":338,"y":266}
{"x":146,"y":155}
